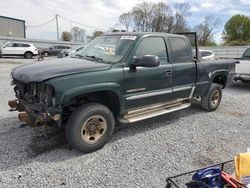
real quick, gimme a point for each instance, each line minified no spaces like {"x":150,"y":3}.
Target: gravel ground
{"x":139,"y":155}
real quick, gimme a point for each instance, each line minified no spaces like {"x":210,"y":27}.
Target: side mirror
{"x":147,"y":61}
{"x":50,"y":48}
{"x":4,"y":46}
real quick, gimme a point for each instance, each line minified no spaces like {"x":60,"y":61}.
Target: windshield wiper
{"x":79,"y":55}
{"x":95,"y":58}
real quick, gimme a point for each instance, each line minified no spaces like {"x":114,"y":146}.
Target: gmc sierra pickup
{"x":118,"y":77}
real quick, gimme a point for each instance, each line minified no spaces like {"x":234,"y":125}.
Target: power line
{"x":41,"y":24}
{"x":80,"y":23}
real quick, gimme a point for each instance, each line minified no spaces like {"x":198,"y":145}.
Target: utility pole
{"x":57,"y":28}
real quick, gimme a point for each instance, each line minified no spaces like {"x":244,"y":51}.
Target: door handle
{"x":167,"y":73}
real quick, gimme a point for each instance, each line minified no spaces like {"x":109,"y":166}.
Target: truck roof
{"x":144,"y":33}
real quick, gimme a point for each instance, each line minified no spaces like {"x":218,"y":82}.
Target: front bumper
{"x":33,"y":115}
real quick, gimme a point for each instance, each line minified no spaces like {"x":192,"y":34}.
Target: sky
{"x":105,"y":13}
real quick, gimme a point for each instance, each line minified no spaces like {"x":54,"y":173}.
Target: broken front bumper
{"x":33,"y":115}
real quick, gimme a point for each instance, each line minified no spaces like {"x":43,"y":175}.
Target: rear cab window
{"x":180,"y":50}
{"x":152,"y":46}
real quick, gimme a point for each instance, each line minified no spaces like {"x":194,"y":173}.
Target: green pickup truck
{"x":117,"y":78}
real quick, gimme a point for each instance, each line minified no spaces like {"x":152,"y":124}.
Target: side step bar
{"x":153,"y":111}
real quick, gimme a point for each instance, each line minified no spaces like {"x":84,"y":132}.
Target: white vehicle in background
{"x":27,"y":50}
{"x":207,"y":55}
{"x":242,"y":69}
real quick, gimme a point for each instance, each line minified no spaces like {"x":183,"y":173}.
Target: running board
{"x":154,"y":111}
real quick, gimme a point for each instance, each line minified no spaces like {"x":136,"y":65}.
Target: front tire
{"x":46,"y":54}
{"x":212,"y":100}
{"x":90,"y":127}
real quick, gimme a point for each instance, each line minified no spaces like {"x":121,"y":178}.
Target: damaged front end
{"x":36,"y":104}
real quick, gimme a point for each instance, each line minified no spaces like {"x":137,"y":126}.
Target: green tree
{"x":66,"y":36}
{"x":97,"y":33}
{"x":237,"y":28}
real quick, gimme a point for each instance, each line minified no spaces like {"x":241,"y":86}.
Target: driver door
{"x":8,"y":49}
{"x":146,"y":86}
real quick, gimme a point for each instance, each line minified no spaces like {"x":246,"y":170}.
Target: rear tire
{"x":46,"y":54}
{"x":211,"y":101}
{"x":90,"y":127}
{"x":28,"y":55}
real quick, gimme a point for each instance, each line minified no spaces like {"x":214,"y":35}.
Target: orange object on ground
{"x":234,"y":183}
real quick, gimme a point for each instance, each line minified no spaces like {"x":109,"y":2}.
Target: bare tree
{"x":143,"y":16}
{"x":206,"y":29}
{"x":182,"y":10}
{"x":162,"y":19}
{"x":156,"y":17}
{"x":126,"y":20}
{"x":78,"y":34}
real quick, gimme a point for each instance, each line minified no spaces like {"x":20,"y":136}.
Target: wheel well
{"x":28,"y":52}
{"x":45,"y":51}
{"x":220,"y":79}
{"x":107,"y":98}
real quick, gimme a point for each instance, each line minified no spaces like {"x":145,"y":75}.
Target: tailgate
{"x":243,"y":67}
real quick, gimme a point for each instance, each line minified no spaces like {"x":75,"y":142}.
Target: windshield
{"x":247,"y":53}
{"x":108,"y":49}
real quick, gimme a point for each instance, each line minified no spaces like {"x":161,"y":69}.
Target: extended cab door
{"x":184,"y":68}
{"x":146,"y":86}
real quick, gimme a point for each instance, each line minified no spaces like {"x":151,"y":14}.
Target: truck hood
{"x":45,"y":70}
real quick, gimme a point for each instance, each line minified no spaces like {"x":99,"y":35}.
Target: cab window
{"x":152,"y":46}
{"x":180,"y":50}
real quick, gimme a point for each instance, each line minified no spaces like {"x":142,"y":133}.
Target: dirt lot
{"x":139,"y":155}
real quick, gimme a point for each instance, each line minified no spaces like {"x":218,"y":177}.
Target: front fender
{"x":68,"y":95}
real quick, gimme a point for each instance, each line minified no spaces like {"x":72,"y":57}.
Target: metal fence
{"x":37,"y":42}
{"x":226,"y":51}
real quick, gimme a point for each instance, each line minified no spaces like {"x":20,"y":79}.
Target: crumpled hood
{"x":45,"y":70}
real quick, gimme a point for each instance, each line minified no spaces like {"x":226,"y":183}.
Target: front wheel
{"x":90,"y":127}
{"x":211,"y":101}
{"x":46,"y":54}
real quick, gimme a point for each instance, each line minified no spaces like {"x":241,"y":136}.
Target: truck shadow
{"x":35,"y":146}
{"x":240,"y":86}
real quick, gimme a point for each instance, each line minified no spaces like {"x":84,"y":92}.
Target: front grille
{"x":34,"y":92}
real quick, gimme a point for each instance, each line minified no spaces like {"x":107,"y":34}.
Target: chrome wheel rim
{"x":93,"y":129}
{"x":215,"y":98}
